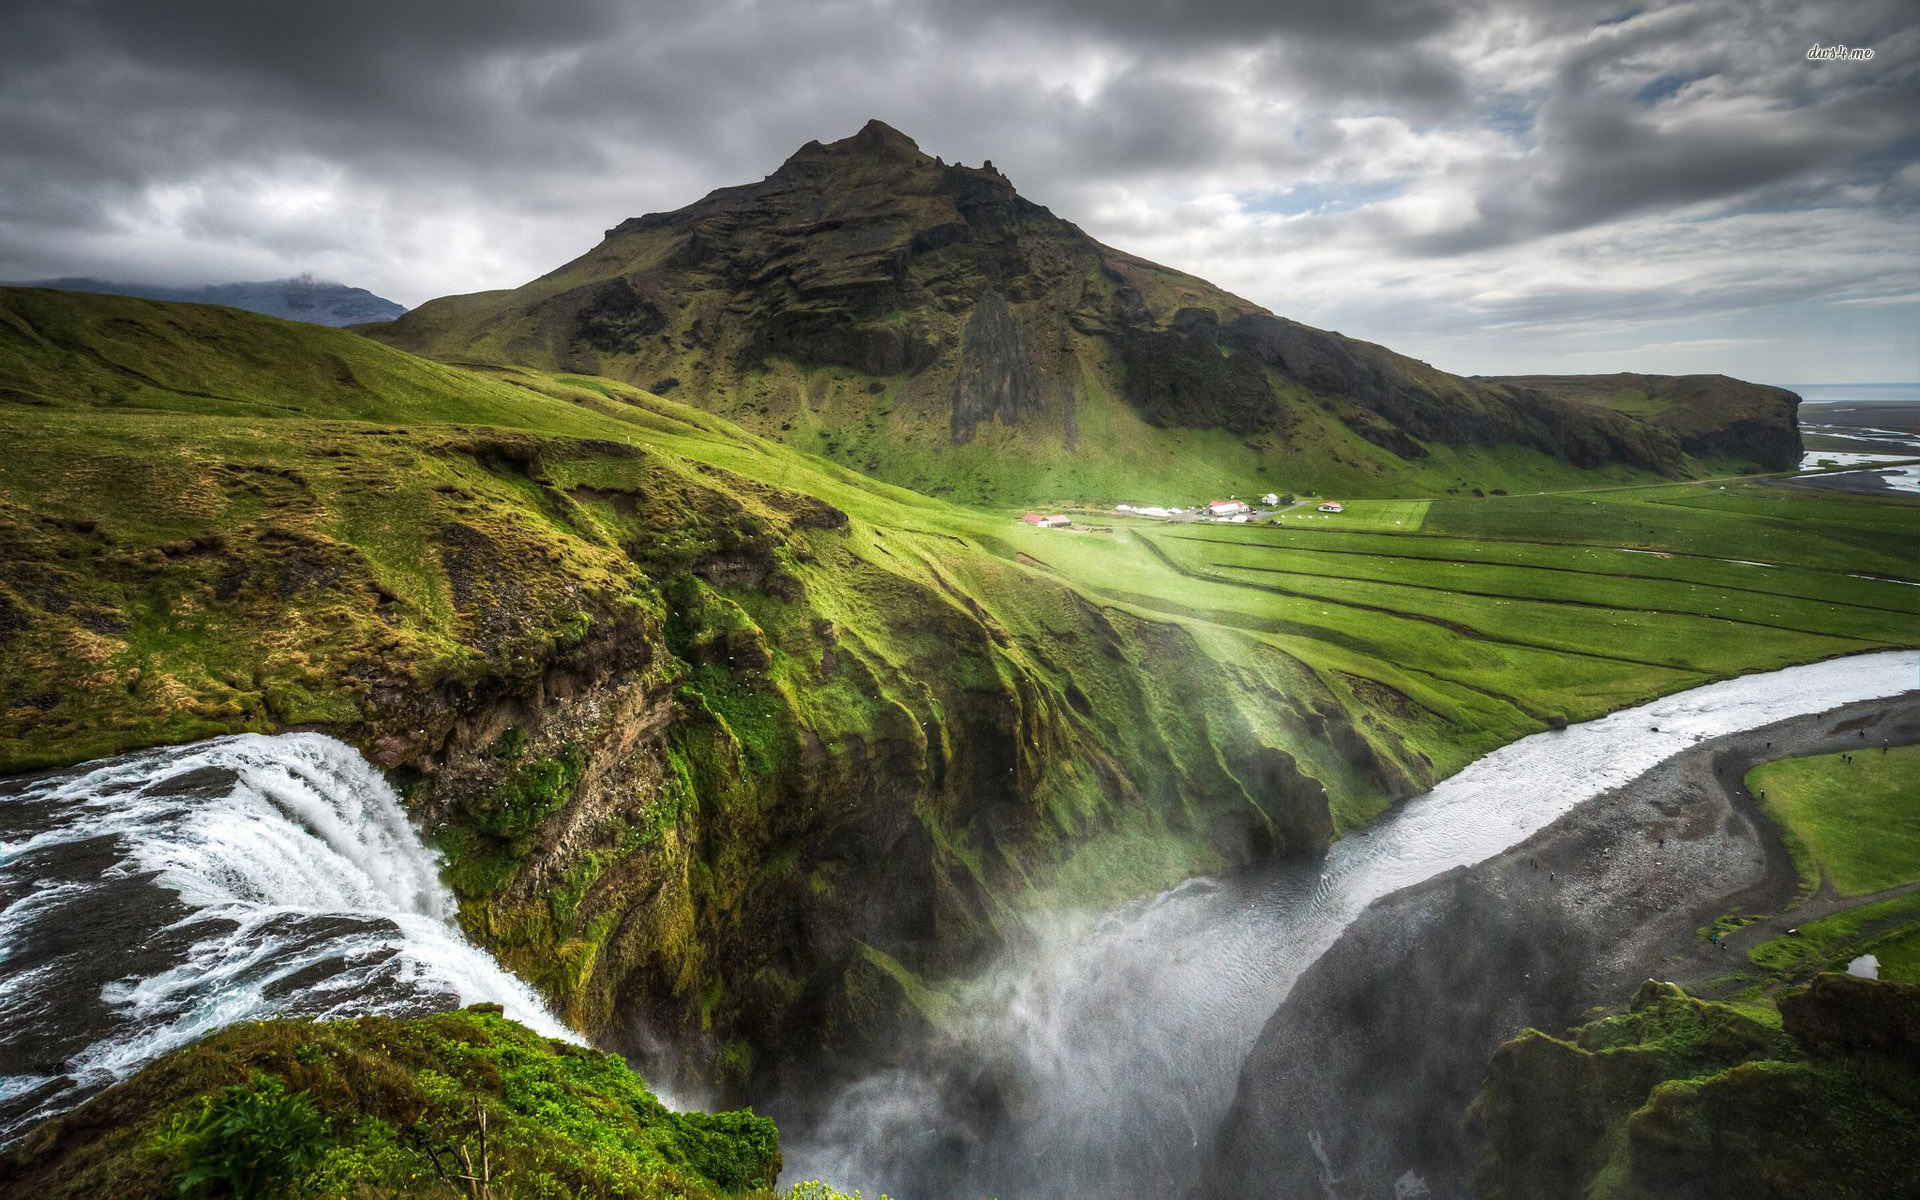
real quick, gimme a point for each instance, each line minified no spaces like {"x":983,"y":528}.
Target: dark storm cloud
{"x":1607,"y":145}
{"x":1159,"y":22}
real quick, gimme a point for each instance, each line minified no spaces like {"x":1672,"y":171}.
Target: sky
{"x":1496,"y":186}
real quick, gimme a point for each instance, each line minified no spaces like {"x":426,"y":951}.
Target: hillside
{"x":302,"y":298}
{"x":386,"y":1107}
{"x":1712,"y":416}
{"x":752,"y":749}
{"x":924,"y":323}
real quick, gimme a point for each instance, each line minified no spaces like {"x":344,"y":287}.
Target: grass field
{"x":1855,"y":825}
{"x":1387,"y":516}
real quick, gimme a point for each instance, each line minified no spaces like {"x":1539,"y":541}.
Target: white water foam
{"x":302,"y":889}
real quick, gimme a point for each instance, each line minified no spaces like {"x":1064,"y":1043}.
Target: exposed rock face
{"x":992,"y":382}
{"x":964,"y":302}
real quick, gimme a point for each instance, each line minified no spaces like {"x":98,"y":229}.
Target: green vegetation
{"x":1385,"y":516}
{"x":251,"y":1140}
{"x":664,"y":689}
{"x":390,"y":1108}
{"x":1887,"y":929}
{"x":1683,"y":1097}
{"x":1852,"y":820}
{"x":712,"y":725}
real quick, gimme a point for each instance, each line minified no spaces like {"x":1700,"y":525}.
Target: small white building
{"x":1332,"y":506}
{"x":1270,"y":499}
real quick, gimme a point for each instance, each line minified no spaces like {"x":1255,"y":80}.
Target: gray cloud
{"x":433,"y":146}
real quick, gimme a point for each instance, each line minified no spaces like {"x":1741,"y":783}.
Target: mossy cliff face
{"x":698,"y":746}
{"x":1680,"y":1097}
{"x":818,"y":756}
{"x":364,"y":1108}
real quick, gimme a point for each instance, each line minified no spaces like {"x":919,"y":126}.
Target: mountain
{"x":302,"y":298}
{"x":923,"y":322}
{"x":1710,"y":415}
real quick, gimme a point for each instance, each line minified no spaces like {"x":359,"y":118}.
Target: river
{"x":148,"y":899}
{"x":1100,"y":1052}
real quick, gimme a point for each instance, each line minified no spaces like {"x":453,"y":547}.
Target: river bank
{"x":1359,"y":1081}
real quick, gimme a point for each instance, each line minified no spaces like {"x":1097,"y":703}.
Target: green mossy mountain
{"x":699,"y":722}
{"x":1680,"y":1097}
{"x":924,"y":323}
{"x":729,"y":742}
{"x":372,"y":1103}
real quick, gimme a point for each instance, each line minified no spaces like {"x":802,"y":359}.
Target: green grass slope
{"x":1852,"y":820}
{"x":921,"y":322}
{"x":696,"y":717}
{"x":389,"y":1108}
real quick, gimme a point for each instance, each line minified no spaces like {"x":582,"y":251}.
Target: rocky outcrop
{"x":1680,"y":1097}
{"x":1366,"y":1072}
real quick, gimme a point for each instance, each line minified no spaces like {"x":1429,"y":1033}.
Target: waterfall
{"x":153,"y":898}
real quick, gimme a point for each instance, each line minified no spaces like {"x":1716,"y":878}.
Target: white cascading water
{"x":153,"y":898}
{"x":1111,"y":1045}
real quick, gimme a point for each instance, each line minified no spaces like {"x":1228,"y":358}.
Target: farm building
{"x":1052,"y":522}
{"x":1270,"y":499}
{"x":1333,"y":506}
{"x":1227,"y":508}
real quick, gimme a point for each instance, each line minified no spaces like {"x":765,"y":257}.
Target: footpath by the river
{"x":1359,"y":1082}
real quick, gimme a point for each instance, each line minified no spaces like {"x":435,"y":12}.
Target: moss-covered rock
{"x":391,"y":1108}
{"x":1680,"y":1097}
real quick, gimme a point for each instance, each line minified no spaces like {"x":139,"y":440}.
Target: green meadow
{"x":1853,"y":821}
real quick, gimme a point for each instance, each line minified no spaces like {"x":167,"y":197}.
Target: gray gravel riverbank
{"x":1359,"y":1082}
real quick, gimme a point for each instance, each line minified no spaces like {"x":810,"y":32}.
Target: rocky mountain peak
{"x":880,"y":296}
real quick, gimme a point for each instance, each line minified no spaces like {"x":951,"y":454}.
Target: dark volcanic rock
{"x":993,"y":369}
{"x":1709,"y":415}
